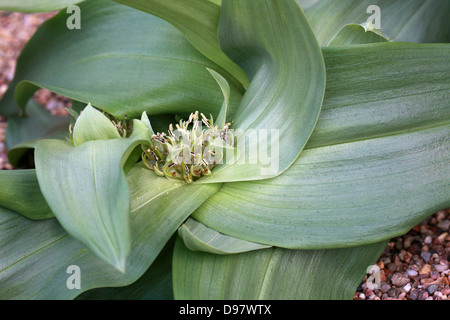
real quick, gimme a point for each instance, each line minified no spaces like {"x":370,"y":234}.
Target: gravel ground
{"x":413,"y":267}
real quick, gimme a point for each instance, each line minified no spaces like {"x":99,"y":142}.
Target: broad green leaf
{"x":36,"y":254}
{"x":197,"y":20}
{"x":30,"y":6}
{"x":377,"y":162}
{"x":384,"y":88}
{"x":155,"y":284}
{"x":22,"y":133}
{"x":19,"y":192}
{"x":412,"y":20}
{"x":93,"y":125}
{"x":153,"y":68}
{"x":198,"y":237}
{"x":355,"y":34}
{"x":279,"y":53}
{"x":86,"y":188}
{"x":272,"y":274}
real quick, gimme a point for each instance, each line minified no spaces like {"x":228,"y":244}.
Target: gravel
{"x":421,"y":259}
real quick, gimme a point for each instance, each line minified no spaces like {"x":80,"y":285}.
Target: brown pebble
{"x":426,"y":269}
{"x":434,"y":275}
{"x":400,"y":279}
{"x":423,"y":295}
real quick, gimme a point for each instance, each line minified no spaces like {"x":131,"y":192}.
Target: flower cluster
{"x":188,"y":152}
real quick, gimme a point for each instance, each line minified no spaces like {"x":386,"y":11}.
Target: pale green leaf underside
{"x":377,"y":162}
{"x":271,"y":48}
{"x":198,"y":237}
{"x":197,"y":20}
{"x":272,"y":274}
{"x":30,"y":6}
{"x":153,"y":68}
{"x":412,"y":20}
{"x":36,"y":254}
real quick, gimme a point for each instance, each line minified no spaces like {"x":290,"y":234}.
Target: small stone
{"x":440,"y":216}
{"x":425,"y":255}
{"x":362,"y":296}
{"x":407,"y":243}
{"x":446,"y":291}
{"x":434,"y":275}
{"x":440,"y":267}
{"x":407,"y":288}
{"x":412,"y":273}
{"x":393,"y":292}
{"x":402,"y":296}
{"x":392,"y":267}
{"x":441,"y":238}
{"x":432,"y":288}
{"x":385,"y":288}
{"x":423,"y":295}
{"x":425,"y":269}
{"x":414,"y":294}
{"x":428,"y":240}
{"x":444,"y":225}
{"x":368,"y":293}
{"x":400,"y":279}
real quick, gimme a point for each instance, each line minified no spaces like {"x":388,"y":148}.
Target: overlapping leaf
{"x":85,"y":185}
{"x":377,"y":162}
{"x":272,"y":273}
{"x":413,"y":20}
{"x":197,"y":20}
{"x":153,"y":68}
{"x":35,"y":254}
{"x":271,"y":49}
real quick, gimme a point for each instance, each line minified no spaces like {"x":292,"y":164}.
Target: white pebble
{"x":407,"y":287}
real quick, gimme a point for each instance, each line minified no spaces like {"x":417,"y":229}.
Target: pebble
{"x":434,"y":275}
{"x":444,"y":225}
{"x":425,"y":255}
{"x":400,"y":279}
{"x":432,"y":288}
{"x":385,"y":288}
{"x":425,"y":269}
{"x":412,"y":273}
{"x":407,"y":288}
{"x":414,"y":294}
{"x":423,"y":295}
{"x":440,"y":267}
